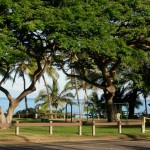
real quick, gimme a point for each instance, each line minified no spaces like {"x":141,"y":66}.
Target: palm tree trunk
{"x":145,"y":105}
{"x":76,"y":84}
{"x":26,"y":102}
{"x":87,"y":97}
{"x":131,"y":111}
{"x":49,"y":98}
{"x":77,"y":94}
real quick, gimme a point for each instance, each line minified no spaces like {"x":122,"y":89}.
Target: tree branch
{"x":82,"y":78}
{"x":6,"y":93}
{"x":39,"y":72}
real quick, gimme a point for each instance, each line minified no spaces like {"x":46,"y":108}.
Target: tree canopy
{"x":98,"y":39}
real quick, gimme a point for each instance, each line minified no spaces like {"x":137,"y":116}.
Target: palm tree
{"x":98,"y":102}
{"x":78,"y":84}
{"x":54,"y":75}
{"x":74,"y":82}
{"x":146,"y":86}
{"x":134,"y":101}
{"x":57,"y":98}
{"x":145,"y":93}
{"x":128,"y":95}
{"x":24,"y":69}
{"x":28,"y":70}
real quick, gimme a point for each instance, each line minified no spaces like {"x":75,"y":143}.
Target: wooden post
{"x":143,"y":125}
{"x":93,"y":128}
{"x":17,"y":128}
{"x":119,"y":127}
{"x":51,"y":128}
{"x":80,"y":128}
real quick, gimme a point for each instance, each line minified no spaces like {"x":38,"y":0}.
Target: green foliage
{"x":57,"y":97}
{"x":98,"y":103}
{"x":101,"y":33}
{"x":94,"y":37}
{"x":109,"y":29}
{"x":22,"y":113}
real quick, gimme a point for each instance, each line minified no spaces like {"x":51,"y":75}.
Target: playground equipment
{"x":67,"y":112}
{"x":119,"y":113}
{"x":87,"y":114}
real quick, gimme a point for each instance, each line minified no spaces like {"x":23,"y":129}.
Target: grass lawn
{"x":71,"y":131}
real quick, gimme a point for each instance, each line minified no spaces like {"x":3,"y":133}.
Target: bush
{"x":29,"y":113}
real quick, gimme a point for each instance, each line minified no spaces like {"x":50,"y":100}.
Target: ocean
{"x":4,"y":104}
{"x":31,"y":104}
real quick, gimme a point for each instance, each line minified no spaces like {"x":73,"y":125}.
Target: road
{"x":85,"y":145}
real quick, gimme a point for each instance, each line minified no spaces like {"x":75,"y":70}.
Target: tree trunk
{"x":49,"y":98}
{"x":13,"y":103}
{"x":87,"y":97}
{"x":8,"y":118}
{"x":132,"y":102}
{"x":77,"y":94}
{"x":2,"y":116}
{"x":26,"y":105}
{"x":131,"y":111}
{"x":26,"y":102}
{"x":76,"y":84}
{"x":109,"y":90}
{"x":145,"y":105}
{"x":109,"y":106}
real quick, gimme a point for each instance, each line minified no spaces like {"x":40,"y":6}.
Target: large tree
{"x":100,"y":36}
{"x":92,"y":37}
{"x":22,"y":40}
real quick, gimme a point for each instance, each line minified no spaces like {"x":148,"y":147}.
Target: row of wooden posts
{"x":79,"y":124}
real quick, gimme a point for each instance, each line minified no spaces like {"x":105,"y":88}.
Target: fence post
{"x":17,"y":128}
{"x":93,"y":128}
{"x":119,"y":127}
{"x":51,"y":128}
{"x":143,"y":125}
{"x":80,"y":128}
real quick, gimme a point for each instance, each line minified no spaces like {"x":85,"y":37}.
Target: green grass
{"x":71,"y":131}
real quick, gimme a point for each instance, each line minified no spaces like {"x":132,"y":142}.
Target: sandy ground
{"x":27,"y":139}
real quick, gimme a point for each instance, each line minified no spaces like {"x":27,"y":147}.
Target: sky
{"x":17,"y":88}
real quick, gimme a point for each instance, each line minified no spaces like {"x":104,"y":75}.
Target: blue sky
{"x":17,"y":88}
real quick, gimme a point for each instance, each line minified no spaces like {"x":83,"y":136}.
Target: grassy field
{"x":72,"y":132}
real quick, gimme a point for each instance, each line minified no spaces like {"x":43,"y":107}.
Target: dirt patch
{"x":35,"y":139}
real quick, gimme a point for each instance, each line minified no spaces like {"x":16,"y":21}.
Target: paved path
{"x":86,"y":145}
